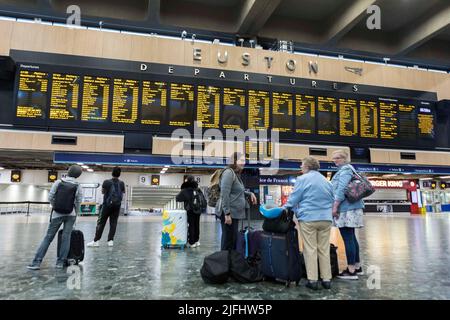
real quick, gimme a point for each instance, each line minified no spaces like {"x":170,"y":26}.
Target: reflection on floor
{"x":412,"y":255}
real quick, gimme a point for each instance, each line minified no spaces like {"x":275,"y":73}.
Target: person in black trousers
{"x":113,"y":191}
{"x":189,"y":194}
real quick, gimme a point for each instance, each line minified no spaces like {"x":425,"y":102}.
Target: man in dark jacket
{"x":194,"y":204}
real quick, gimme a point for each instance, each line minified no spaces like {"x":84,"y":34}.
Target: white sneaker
{"x":93,"y":244}
{"x":110,"y":243}
{"x":197,"y":244}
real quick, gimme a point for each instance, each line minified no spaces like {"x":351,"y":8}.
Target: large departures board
{"x":125,"y":101}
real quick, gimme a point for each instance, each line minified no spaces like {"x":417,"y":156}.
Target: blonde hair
{"x":311,"y":163}
{"x":343,"y":154}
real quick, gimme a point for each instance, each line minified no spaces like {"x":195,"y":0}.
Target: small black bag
{"x":281,"y":224}
{"x":245,"y":271}
{"x":216,"y":268}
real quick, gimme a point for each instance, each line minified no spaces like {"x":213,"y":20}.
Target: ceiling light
{"x":80,"y":164}
{"x":1,"y":168}
{"x":85,"y":167}
{"x":444,"y":177}
{"x":162,"y":172}
{"x":389,"y":175}
{"x":90,"y":170}
{"x":426,"y":179}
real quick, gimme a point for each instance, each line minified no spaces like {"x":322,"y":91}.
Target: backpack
{"x":114,"y":197}
{"x":65,"y":197}
{"x":213,"y":190}
{"x":198,"y":202}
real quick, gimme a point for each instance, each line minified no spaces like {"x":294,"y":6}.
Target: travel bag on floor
{"x":248,"y":240}
{"x":76,"y":252}
{"x":333,"y":261}
{"x":174,"y":230}
{"x":216,"y":267}
{"x":280,"y":256}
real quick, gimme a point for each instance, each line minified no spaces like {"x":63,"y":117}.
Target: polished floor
{"x":411,"y":255}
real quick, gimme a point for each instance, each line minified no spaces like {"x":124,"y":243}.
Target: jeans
{"x":53,"y":228}
{"x":113,"y":215}
{"x":194,"y":227}
{"x":351,"y":245}
{"x":229,"y":233}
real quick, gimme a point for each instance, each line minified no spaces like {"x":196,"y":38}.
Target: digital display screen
{"x":407,"y":129}
{"x":282,"y":107}
{"x":258,"y":109}
{"x":305,"y":114}
{"x":154,"y":103}
{"x":208,"y":106}
{"x":388,"y":119}
{"x":327,"y":116}
{"x":368,"y":119}
{"x":64,"y":96}
{"x":234,"y":108}
{"x":32,"y":95}
{"x":425,"y":123}
{"x":125,"y":101}
{"x":181,"y":111}
{"x":348,"y":117}
{"x":95,"y":100}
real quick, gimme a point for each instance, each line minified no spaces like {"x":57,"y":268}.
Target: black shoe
{"x":359,"y":271}
{"x":347,"y":275}
{"x":326,"y":285}
{"x":313,"y":285}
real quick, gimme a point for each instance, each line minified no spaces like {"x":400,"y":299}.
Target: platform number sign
{"x":52,"y":176}
{"x":16,"y":176}
{"x":155,"y":180}
{"x":143,"y":180}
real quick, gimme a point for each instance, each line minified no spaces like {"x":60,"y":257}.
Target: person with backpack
{"x":231,"y":204}
{"x":65,"y":197}
{"x":113,"y":191}
{"x":347,"y":215}
{"x":195,"y":205}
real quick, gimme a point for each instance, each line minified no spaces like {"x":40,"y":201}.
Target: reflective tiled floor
{"x":412,"y":255}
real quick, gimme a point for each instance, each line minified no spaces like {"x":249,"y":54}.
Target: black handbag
{"x":280,"y":224}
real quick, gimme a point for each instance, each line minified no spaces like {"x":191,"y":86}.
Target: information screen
{"x":64,"y":96}
{"x":258,"y":109}
{"x":125,"y":101}
{"x":181,"y":111}
{"x":425,"y":122}
{"x":95,"y":100}
{"x":327,"y":116}
{"x":348,"y":117}
{"x":388,"y":120}
{"x":208,"y":106}
{"x":305,"y":114}
{"x":282,"y":107}
{"x":32,"y":95}
{"x":154,"y":103}
{"x":407,"y":129}
{"x":234,"y":111}
{"x":368,"y":119}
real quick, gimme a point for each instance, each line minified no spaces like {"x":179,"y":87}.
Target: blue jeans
{"x":351,"y":245}
{"x":53,"y":228}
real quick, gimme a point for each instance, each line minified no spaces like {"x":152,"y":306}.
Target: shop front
{"x":435,"y":196}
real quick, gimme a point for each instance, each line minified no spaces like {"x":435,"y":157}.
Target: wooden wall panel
{"x":189,"y":54}
{"x":298,"y":152}
{"x":169,"y":51}
{"x":300,"y":64}
{"x":87,"y":43}
{"x":116,"y":46}
{"x":262,"y":65}
{"x":142,"y":48}
{"x":6,"y":28}
{"x":431,"y":158}
{"x":329,"y":69}
{"x":28,"y":36}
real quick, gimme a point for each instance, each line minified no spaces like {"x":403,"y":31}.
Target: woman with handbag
{"x":347,"y":215}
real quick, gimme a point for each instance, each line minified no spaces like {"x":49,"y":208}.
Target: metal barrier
{"x":25,"y":207}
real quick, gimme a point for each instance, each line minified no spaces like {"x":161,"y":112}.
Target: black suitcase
{"x":333,"y":261}
{"x":76,"y":252}
{"x":280,"y":257}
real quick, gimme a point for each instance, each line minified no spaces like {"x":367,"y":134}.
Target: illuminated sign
{"x":387,"y":183}
{"x":52,"y":176}
{"x":16,"y":176}
{"x":155,"y":180}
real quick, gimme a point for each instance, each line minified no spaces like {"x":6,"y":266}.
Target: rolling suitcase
{"x":76,"y":252}
{"x":333,"y":261}
{"x":174,"y":230}
{"x":249,"y":240}
{"x":280,"y":256}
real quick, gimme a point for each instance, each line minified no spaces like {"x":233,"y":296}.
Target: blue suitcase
{"x":280,"y":256}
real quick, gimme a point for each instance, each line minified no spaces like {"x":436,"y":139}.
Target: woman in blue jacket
{"x":347,"y":216}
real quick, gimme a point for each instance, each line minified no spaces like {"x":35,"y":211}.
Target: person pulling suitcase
{"x":65,"y":197}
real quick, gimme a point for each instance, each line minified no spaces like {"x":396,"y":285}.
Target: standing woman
{"x":347,"y":216}
{"x":231,"y":205}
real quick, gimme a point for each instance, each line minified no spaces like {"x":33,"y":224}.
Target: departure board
{"x":154,"y":102}
{"x":388,"y":119}
{"x":258,"y":109}
{"x":181,"y":111}
{"x":407,"y":129}
{"x":234,"y":111}
{"x":348,"y":117}
{"x":64,"y":96}
{"x":95,"y":100}
{"x":282,"y":107}
{"x":305,"y":114}
{"x":326,"y":116}
{"x":368,"y":119}
{"x":125,"y":101}
{"x":425,"y":122}
{"x":208,"y":106}
{"x":251,"y":150}
{"x":32,"y":95}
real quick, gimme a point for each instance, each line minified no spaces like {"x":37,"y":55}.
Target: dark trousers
{"x":351,"y":245}
{"x":194,"y":227}
{"x":230,"y":233}
{"x":105,"y":213}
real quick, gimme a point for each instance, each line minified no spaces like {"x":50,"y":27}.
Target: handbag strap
{"x":354,"y":171}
